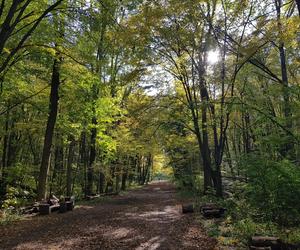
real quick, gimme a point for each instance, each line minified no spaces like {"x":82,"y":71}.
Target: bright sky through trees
{"x":213,"y":56}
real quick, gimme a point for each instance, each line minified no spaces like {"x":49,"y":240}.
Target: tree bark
{"x":101,"y":182}
{"x":52,"y":115}
{"x":4,"y":159}
{"x":69,"y":165}
{"x":90,"y":171}
{"x":56,"y":180}
{"x":124,"y":179}
{"x":285,"y":83}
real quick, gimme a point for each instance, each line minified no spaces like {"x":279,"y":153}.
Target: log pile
{"x":212,"y":210}
{"x":45,"y":208}
{"x":67,"y":204}
{"x":265,"y":243}
{"x":54,"y":204}
{"x":33,"y":209}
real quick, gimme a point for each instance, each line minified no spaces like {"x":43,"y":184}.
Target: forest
{"x":104,"y":96}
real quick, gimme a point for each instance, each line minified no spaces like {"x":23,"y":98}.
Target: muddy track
{"x":146,"y":219}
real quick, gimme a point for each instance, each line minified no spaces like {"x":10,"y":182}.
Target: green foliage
{"x":11,"y":198}
{"x":291,"y":235}
{"x":246,"y":228}
{"x":7,"y":216}
{"x":15,"y":197}
{"x":214,"y":231}
{"x":272,"y":188}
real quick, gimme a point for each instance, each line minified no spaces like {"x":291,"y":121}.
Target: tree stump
{"x":188,"y":208}
{"x":44,"y":209}
{"x":63,"y":207}
{"x":265,"y":242}
{"x":69,"y":205}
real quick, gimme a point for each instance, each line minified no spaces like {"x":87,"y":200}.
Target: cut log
{"x":189,"y":208}
{"x":45,"y":209}
{"x":264,"y":241}
{"x":29,"y":210}
{"x":289,"y":246}
{"x":69,"y":205}
{"x":209,"y":206}
{"x":63,"y":207}
{"x":92,"y":197}
{"x":53,"y":200}
{"x":72,"y":200}
{"x":213,"y":213}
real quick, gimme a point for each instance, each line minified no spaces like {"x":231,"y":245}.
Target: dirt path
{"x":144,"y":219}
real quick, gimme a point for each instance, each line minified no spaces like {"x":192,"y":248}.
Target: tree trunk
{"x":4,"y":159}
{"x":69,"y":165}
{"x":124,"y":179}
{"x":56,"y":181}
{"x":205,"y":151}
{"x":101,"y":182}
{"x":285,"y":83}
{"x":117,"y":182}
{"x":298,"y":6}
{"x":90,"y":171}
{"x":52,"y":115}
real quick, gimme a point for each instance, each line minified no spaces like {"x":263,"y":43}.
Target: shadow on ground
{"x":145,"y":219}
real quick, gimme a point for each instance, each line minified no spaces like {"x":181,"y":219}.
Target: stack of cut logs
{"x":54,"y":204}
{"x":209,"y":210}
{"x":212,"y":210}
{"x":265,"y":243}
{"x":271,"y":243}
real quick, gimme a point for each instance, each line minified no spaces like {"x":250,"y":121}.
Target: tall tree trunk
{"x":284,"y":75}
{"x":125,"y":175}
{"x":56,"y":181}
{"x":83,"y":160}
{"x":69,"y":165}
{"x":205,"y":151}
{"x":101,"y":182}
{"x":52,"y":115}
{"x":4,"y":159}
{"x":90,"y":171}
{"x":117,"y":180}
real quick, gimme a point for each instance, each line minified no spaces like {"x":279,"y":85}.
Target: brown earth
{"x":146,"y":219}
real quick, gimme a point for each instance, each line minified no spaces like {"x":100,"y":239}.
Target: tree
{"x":20,"y":21}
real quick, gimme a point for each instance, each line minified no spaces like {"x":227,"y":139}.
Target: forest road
{"x":149,"y":218}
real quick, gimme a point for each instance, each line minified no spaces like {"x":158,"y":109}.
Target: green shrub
{"x":291,"y":235}
{"x":8,"y":215}
{"x":246,"y":228}
{"x":273,"y":189}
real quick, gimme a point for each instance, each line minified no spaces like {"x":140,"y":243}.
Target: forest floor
{"x":149,"y":218}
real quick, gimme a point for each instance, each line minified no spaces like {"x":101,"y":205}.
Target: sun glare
{"x":213,"y":57}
